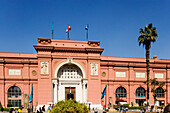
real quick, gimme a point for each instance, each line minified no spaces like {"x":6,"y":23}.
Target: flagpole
{"x":52,"y":30}
{"x":87,"y":35}
{"x":68,"y":36}
{"x":32,"y":97}
{"x":87,"y":28}
{"x":52,"y":36}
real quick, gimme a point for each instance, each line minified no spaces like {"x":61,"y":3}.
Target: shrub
{"x":69,"y":106}
{"x":125,"y":105}
{"x":133,"y":107}
{"x":7,"y":109}
{"x":0,"y":105}
{"x":9,"y":105}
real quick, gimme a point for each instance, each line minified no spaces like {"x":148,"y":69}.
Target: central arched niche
{"x":69,"y":71}
{"x":70,"y":74}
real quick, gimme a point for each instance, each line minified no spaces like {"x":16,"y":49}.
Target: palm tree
{"x":147,"y":36}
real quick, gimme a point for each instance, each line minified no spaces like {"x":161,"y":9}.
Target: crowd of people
{"x":42,"y":109}
{"x":12,"y":110}
{"x":123,"y":109}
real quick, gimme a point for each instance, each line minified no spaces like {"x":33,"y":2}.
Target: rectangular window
{"x":15,"y":103}
{"x":14,"y":72}
{"x":140,"y":75}
{"x":120,"y":74}
{"x":159,"y":75}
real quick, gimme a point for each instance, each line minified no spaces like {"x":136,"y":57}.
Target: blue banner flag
{"x":31,"y":95}
{"x":104,"y":92}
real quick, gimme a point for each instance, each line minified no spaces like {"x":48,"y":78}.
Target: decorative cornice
{"x":94,"y":43}
{"x":67,"y":49}
{"x":44,"y":41}
{"x":96,"y":50}
{"x":45,"y":48}
{"x":46,"y":44}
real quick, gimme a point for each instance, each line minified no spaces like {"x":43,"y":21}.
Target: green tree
{"x":154,"y":85}
{"x":69,"y":106}
{"x":148,"y":35}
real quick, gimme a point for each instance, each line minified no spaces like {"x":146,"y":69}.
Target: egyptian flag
{"x":68,"y":28}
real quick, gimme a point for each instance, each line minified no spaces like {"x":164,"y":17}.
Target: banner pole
{"x":105,"y":101}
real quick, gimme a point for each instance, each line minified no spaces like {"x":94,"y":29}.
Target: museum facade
{"x":64,"y":69}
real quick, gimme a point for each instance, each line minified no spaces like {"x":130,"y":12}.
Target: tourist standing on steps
{"x":49,"y":108}
{"x":144,"y":110}
{"x":120,"y":109}
{"x":96,"y":111}
{"x":141,"y":110}
{"x":124,"y":110}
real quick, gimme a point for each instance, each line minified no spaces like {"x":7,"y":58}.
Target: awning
{"x":121,"y":103}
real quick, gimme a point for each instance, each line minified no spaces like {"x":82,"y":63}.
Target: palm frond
{"x":141,"y":38}
{"x":154,"y":28}
{"x":146,"y":28}
{"x":150,"y":26}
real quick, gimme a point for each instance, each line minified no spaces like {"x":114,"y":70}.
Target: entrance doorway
{"x":70,"y":93}
{"x":140,"y":102}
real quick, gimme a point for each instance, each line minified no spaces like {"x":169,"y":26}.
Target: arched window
{"x":14,"y":96}
{"x":159,"y":92}
{"x":68,"y":72}
{"x":140,"y":92}
{"x":121,"y":92}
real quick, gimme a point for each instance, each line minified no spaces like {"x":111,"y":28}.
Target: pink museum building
{"x":63,"y":69}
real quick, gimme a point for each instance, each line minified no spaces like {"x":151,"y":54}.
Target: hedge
{"x":69,"y":106}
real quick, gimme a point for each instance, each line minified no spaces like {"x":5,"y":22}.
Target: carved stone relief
{"x":44,"y":67}
{"x":94,"y":68}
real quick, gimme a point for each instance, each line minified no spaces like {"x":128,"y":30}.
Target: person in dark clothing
{"x":41,"y":111}
{"x":144,"y":110}
{"x":11,"y":110}
{"x":43,"y":108}
{"x":38,"y":111}
{"x":2,"y":109}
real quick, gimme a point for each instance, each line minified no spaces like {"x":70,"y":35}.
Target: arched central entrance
{"x":69,"y":83}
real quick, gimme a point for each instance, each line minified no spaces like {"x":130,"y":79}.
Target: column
{"x":84,"y":94}
{"x":55,"y":91}
{"x":85,"y":91}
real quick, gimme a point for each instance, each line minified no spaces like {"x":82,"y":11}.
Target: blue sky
{"x":115,"y":23}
